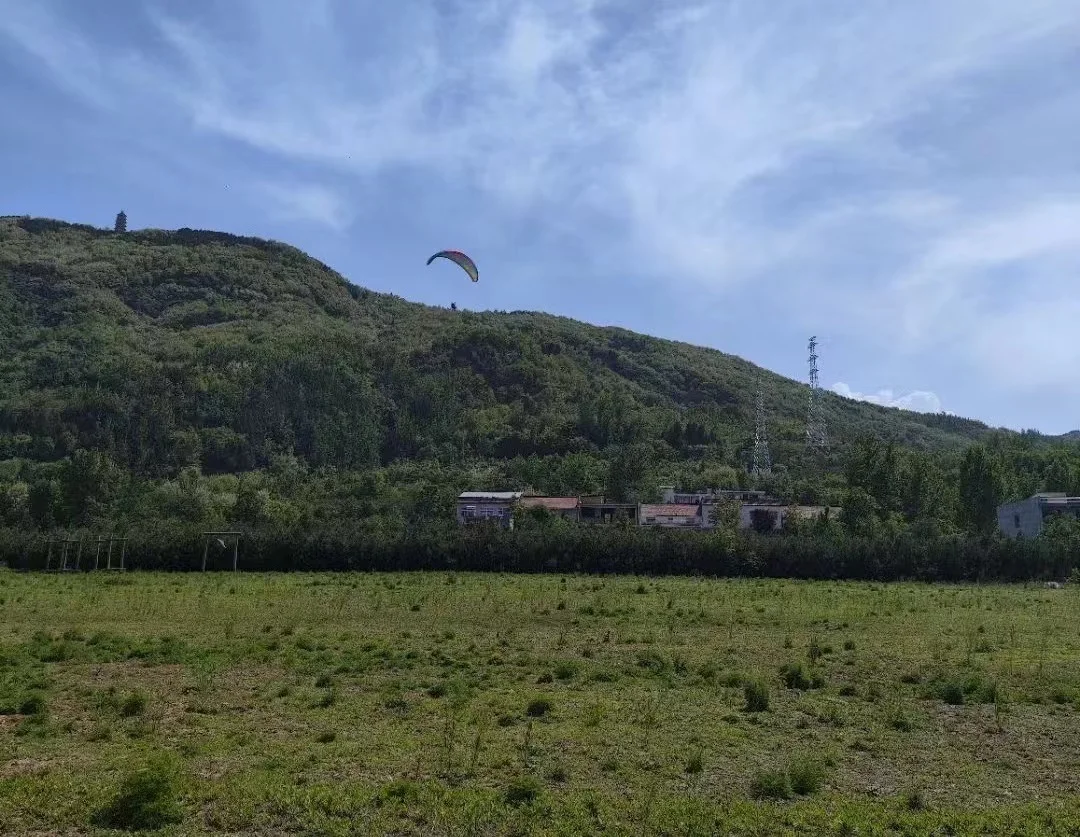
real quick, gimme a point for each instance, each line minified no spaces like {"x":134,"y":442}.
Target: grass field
{"x":485,"y":704}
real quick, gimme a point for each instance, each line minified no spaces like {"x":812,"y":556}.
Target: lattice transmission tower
{"x":816,"y":437}
{"x":762,"y":461}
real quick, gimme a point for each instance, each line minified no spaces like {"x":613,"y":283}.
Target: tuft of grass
{"x":328,"y":699}
{"x":565,"y":670}
{"x":558,"y":774}
{"x":523,"y":790}
{"x":771,"y":784}
{"x":134,"y":704}
{"x":913,"y":798}
{"x":807,"y":775}
{"x":147,"y":799}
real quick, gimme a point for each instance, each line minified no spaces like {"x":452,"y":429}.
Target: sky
{"x":900,"y":179}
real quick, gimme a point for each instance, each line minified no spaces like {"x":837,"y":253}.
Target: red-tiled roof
{"x":552,"y":503}
{"x":668,"y":510}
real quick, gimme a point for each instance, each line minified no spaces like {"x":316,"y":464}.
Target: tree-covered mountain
{"x":167,"y":348}
{"x":138,"y":367}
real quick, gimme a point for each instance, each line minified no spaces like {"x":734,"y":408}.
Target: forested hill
{"x":164,"y":349}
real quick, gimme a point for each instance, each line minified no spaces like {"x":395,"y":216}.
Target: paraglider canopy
{"x":460,"y":259}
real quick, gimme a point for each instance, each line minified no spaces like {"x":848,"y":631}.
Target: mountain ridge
{"x":122,"y":341}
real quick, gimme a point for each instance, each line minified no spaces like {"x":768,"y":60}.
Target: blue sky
{"x":899,"y":178}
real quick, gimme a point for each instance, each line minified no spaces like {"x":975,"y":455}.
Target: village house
{"x":1025,"y":518}
{"x":668,"y":494}
{"x":568,"y":508}
{"x":770,"y":517}
{"x":598,"y":509}
{"x":487,"y":507}
{"x":674,"y":515}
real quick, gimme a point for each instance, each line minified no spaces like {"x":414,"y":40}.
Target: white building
{"x":1025,"y":518}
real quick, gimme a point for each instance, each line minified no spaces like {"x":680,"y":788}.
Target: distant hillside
{"x":169,"y":348}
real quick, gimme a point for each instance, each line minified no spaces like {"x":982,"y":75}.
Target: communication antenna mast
{"x":816,"y":438}
{"x":762,"y":461}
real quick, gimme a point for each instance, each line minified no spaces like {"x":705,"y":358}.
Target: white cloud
{"x":305,"y":202}
{"x":919,"y":401}
{"x":858,"y":160}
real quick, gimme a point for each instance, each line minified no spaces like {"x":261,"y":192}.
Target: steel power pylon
{"x":816,"y":437}
{"x":762,"y":461}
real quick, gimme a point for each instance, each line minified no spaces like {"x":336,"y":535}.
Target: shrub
{"x":134,"y":704}
{"x":793,"y":676}
{"x":33,"y":704}
{"x":756,"y":694}
{"x":538,"y":707}
{"x":147,"y":799}
{"x":972,"y":689}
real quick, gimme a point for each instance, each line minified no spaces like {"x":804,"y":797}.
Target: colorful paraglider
{"x":460,"y":259}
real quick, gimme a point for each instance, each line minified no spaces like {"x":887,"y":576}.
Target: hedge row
{"x":583,"y":550}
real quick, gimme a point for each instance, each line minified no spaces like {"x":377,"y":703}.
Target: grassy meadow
{"x":491,"y":704}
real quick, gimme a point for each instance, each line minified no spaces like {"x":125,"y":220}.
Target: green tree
{"x":89,"y":483}
{"x":860,"y":513}
{"x":44,"y":501}
{"x":981,"y":489}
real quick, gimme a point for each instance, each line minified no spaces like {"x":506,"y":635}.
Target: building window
{"x":1016,"y":521}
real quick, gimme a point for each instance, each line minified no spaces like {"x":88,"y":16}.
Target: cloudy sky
{"x":901,"y":179}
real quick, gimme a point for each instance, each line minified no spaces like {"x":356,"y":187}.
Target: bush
{"x":134,"y":704}
{"x":756,"y":694}
{"x":793,"y":676}
{"x":538,"y":707}
{"x":954,"y":691}
{"x":33,"y":704}
{"x":771,"y":784}
{"x":146,"y":800}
